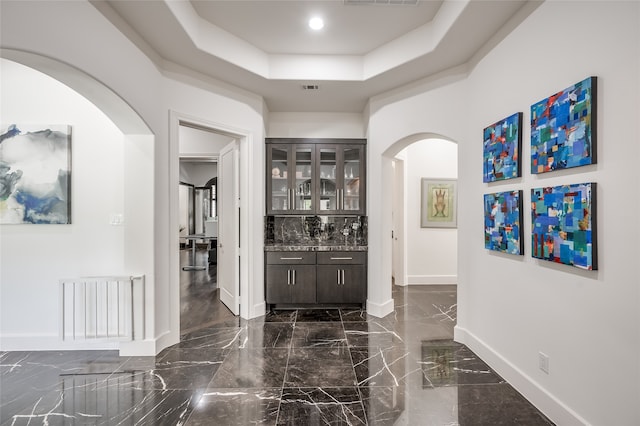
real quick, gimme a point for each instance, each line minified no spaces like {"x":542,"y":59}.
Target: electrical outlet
{"x":543,"y":362}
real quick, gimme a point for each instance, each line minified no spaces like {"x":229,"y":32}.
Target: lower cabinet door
{"x":341,"y":283}
{"x":278,"y":286}
{"x":303,"y":283}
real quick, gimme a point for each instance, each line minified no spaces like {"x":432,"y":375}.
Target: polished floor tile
{"x":321,"y":367}
{"x":319,"y":335}
{"x":321,"y":406}
{"x":236,"y":407}
{"x":252,"y":368}
{"x":295,"y":367}
{"x":318,"y":315}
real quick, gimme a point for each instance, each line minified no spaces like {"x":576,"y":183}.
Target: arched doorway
{"x":135,"y":199}
{"x":418,"y":254}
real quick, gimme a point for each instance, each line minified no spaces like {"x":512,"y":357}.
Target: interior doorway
{"x":204,"y":277}
{"x":421,"y":255}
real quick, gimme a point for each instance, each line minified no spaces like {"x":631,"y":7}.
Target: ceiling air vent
{"x":310,"y":87}
{"x":391,"y":2}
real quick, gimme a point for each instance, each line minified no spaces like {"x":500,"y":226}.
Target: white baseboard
{"x":259,"y":309}
{"x":380,"y":309}
{"x":139,"y":348}
{"x":165,"y":340}
{"x":52,"y":342}
{"x":546,"y":402}
{"x":432,"y":279}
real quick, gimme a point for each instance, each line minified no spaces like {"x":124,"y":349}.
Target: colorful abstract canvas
{"x":563,"y":129}
{"x":563,"y":225}
{"x":35,"y":174}
{"x":503,"y":222}
{"x":502,"y":146}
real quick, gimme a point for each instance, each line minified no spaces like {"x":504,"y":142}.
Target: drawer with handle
{"x":291,"y":258}
{"x":342,"y":258}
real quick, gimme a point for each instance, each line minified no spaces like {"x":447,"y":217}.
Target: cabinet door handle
{"x":294,"y":277}
{"x":288,"y":276}
{"x":342,"y":258}
{"x":290,"y":258}
{"x":343,"y":277}
{"x":338,"y":279}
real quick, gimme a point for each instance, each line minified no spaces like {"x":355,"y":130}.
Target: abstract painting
{"x":502,"y":146}
{"x":438,"y":207}
{"x":503,"y":222}
{"x":563,"y":224}
{"x":35,"y":174}
{"x":563,"y":129}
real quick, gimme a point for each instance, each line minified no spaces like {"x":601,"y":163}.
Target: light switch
{"x":117,"y":219}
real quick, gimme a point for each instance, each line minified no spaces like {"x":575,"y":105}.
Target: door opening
{"x":207,"y":277}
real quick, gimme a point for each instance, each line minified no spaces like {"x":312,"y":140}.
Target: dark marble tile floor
{"x":324,"y":367}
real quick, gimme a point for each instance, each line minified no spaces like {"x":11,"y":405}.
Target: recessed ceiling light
{"x":316,"y":23}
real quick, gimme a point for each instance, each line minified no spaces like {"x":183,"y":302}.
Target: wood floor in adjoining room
{"x":200,"y":304}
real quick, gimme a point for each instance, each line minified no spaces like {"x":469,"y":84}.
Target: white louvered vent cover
{"x":389,"y":2}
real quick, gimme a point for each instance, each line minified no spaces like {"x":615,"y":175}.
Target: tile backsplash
{"x":316,"y":230}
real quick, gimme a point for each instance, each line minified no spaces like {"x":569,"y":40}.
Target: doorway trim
{"x":244,"y":137}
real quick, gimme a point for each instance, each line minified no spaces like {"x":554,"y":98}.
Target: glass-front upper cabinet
{"x":290,"y":178}
{"x":315,"y":176}
{"x":341,"y":179}
{"x":353,"y":188}
{"x":328,"y":188}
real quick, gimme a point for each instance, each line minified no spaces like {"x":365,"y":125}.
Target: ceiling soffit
{"x":185,"y":45}
{"x":215,"y":41}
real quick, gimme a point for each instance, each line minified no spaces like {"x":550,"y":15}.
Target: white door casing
{"x":398,"y":218}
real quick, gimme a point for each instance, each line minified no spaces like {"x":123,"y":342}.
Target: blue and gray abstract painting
{"x":35,"y":174}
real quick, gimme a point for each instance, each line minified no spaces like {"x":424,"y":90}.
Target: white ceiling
{"x":266,"y":48}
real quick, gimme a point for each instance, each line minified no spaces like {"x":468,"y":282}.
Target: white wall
{"x":511,"y":307}
{"x":568,"y":314}
{"x":197,"y":174}
{"x":431,"y":252}
{"x":315,"y":125}
{"x":196,"y":142}
{"x":34,"y":257}
{"x":121,"y":66}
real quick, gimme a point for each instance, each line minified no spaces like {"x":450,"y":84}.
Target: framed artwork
{"x":35,"y":174}
{"x":563,"y":129}
{"x":563,"y":225}
{"x":501,"y":148}
{"x":438,"y":203}
{"x":503,"y":222}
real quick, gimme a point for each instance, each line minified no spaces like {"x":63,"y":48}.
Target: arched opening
{"x":420,"y":252}
{"x":124,"y":221}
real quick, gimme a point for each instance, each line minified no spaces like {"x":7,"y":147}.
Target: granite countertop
{"x":288,"y":247}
